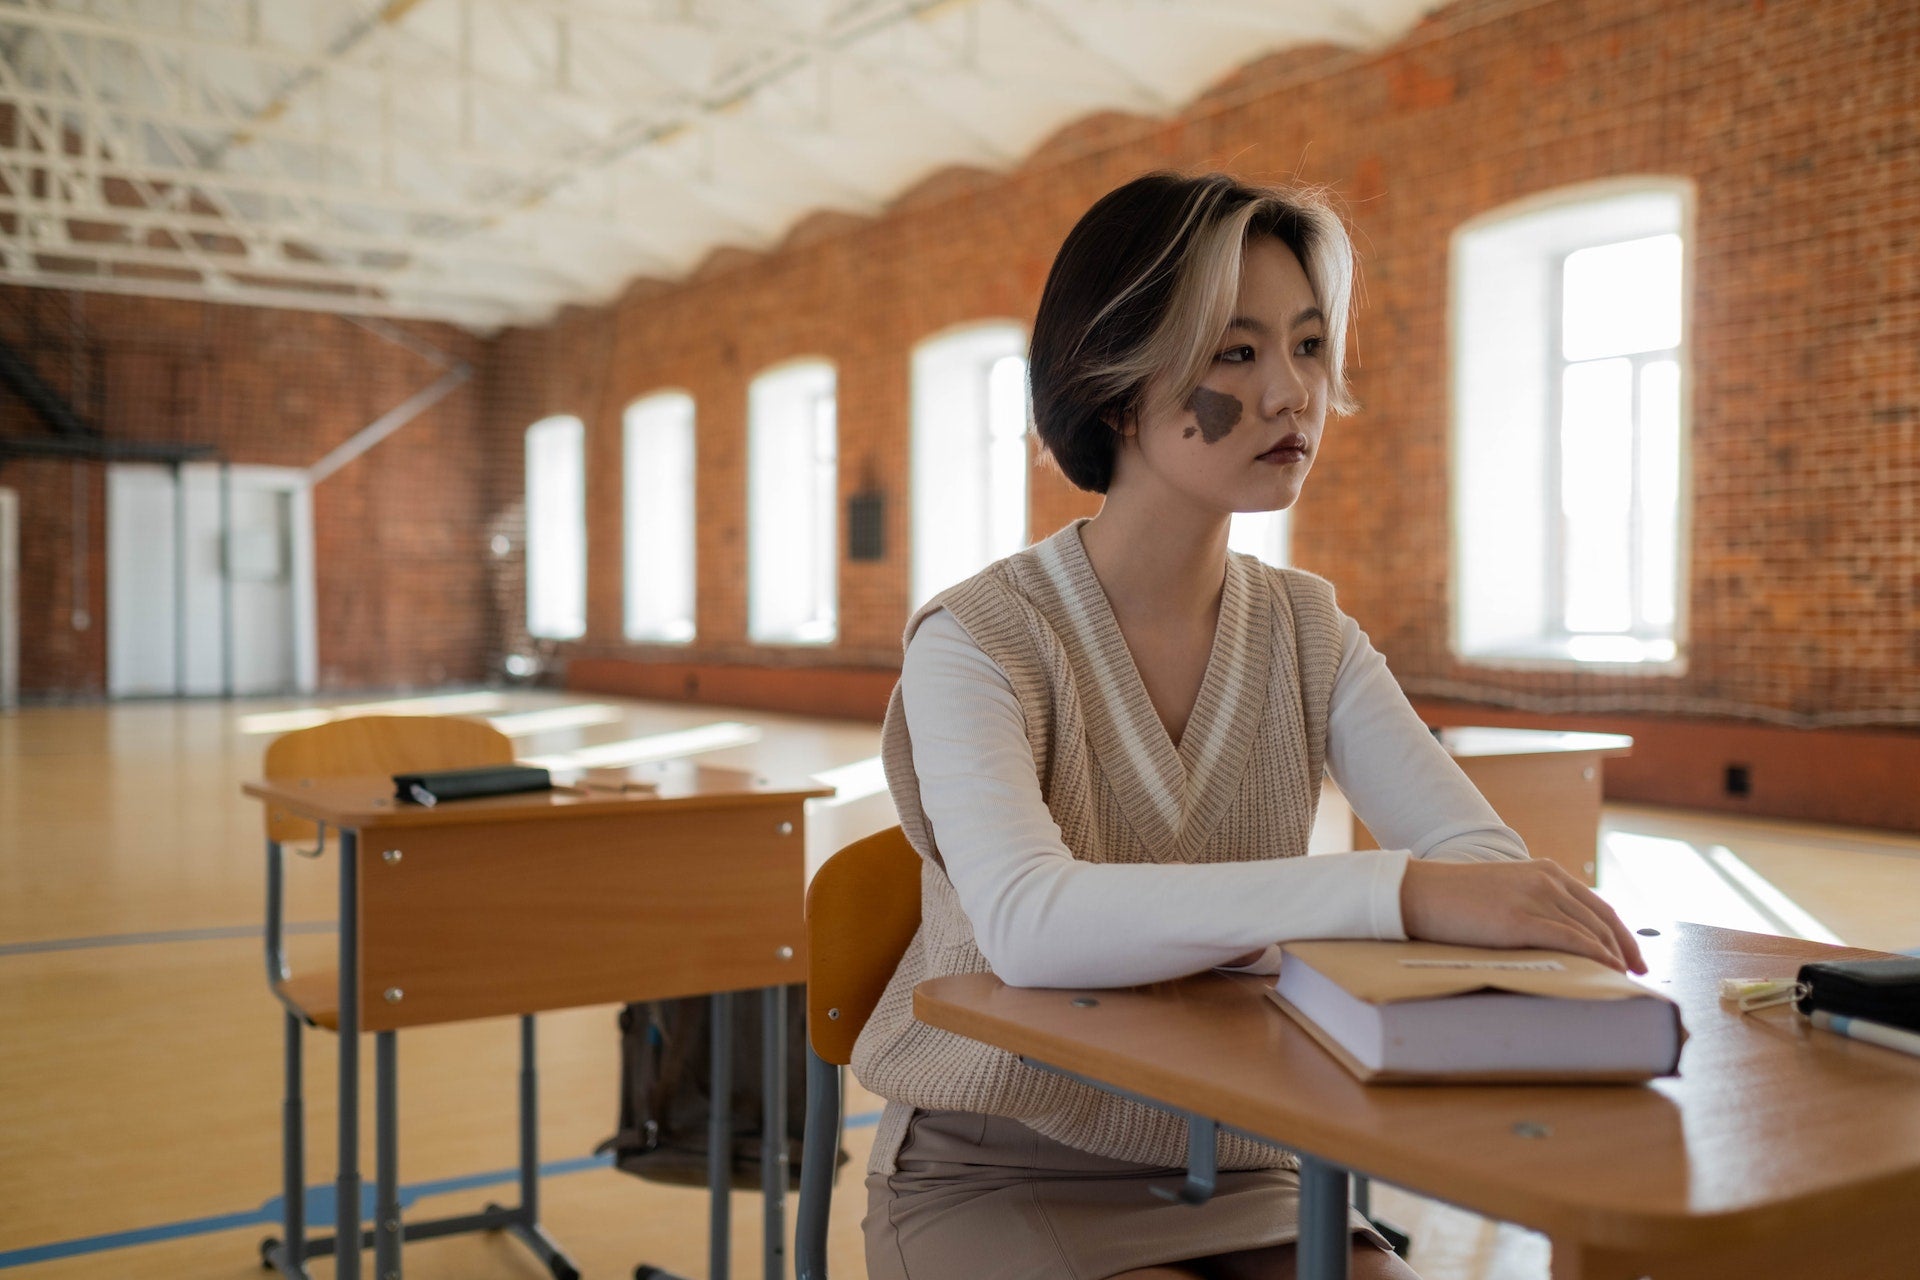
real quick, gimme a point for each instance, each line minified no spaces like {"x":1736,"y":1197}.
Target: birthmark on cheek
{"x":1216,"y":412}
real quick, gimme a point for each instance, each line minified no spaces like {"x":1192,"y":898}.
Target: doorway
{"x":209,"y":581}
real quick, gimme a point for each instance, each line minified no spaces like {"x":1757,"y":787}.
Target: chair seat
{"x":314,"y":996}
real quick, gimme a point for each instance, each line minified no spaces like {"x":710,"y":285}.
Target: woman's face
{"x":1247,"y":436}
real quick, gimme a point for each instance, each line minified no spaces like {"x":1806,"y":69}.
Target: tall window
{"x":557,"y":529}
{"x":1569,"y":413}
{"x":970,"y":459}
{"x":792,"y":495}
{"x":659,"y":518}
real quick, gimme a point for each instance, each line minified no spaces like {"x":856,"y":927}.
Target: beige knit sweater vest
{"x":1243,"y":784}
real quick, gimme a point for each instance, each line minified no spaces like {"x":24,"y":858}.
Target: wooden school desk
{"x":1778,"y":1150}
{"x":1543,"y":784}
{"x":514,"y":905}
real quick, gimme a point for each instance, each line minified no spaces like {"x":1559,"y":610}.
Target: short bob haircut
{"x":1143,"y":288}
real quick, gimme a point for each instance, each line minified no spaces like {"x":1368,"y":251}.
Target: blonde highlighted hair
{"x":1141,"y":292}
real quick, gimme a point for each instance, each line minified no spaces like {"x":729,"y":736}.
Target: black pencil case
{"x":1884,"y":991}
{"x":465,"y":784}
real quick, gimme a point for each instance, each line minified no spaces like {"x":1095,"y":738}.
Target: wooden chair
{"x":344,"y":748}
{"x":863,"y":908}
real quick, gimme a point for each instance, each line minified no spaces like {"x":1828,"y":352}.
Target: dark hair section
{"x":1116,"y":277}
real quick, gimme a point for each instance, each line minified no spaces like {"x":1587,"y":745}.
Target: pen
{"x":1872,"y":1032}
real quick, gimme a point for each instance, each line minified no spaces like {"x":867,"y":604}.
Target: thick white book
{"x":1421,"y":1011}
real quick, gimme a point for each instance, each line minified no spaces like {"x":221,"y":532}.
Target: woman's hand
{"x":1513,"y":904}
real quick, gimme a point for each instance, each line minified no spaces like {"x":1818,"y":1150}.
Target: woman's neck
{"x":1156,"y":562}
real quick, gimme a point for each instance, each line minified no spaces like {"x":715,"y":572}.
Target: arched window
{"x":792,"y":496}
{"x":659,"y":484}
{"x":557,"y":529}
{"x":970,"y":458}
{"x":1569,"y":427}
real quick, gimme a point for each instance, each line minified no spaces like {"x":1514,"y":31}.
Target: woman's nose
{"x":1288,"y":391}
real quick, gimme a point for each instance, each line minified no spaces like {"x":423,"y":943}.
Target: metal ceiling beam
{"x":436,"y":71}
{"x":333,"y":195}
{"x":479,"y":317}
{"x":468,"y":255}
{"x":499,"y":158}
{"x":324,"y":197}
{"x":164,"y":210}
{"x":100,"y":449}
{"x":650,"y":130}
{"x":232,"y":269}
{"x":217,"y":270}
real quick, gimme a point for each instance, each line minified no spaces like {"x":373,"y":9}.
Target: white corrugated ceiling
{"x":488,"y":161}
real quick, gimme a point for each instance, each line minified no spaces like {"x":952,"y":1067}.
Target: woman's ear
{"x":1122,"y":422}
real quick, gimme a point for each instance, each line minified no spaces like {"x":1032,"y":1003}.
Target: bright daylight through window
{"x":556,"y":529}
{"x":792,"y":495}
{"x":970,"y":459}
{"x":1569,"y":429}
{"x":659,"y":496}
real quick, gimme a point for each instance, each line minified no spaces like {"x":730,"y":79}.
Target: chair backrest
{"x":377,"y":744}
{"x":863,"y":908}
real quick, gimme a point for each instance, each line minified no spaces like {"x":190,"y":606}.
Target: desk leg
{"x":720,"y":1136}
{"x":347,"y":1181}
{"x":386,"y":1156}
{"x":1324,"y":1246}
{"x":773,"y":1129}
{"x":529,"y":1121}
{"x":293,"y":1155}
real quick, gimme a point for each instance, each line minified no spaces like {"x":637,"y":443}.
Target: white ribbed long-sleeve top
{"x":1043,"y":918}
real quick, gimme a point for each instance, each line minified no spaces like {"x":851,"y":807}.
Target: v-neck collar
{"x":1173,"y":796}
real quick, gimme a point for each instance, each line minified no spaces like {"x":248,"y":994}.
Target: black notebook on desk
{"x":464,"y":784}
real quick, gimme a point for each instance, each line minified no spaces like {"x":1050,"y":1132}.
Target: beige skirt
{"x":986,"y":1198}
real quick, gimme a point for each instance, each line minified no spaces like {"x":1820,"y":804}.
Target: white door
{"x":213,"y":612}
{"x":141,"y":581}
{"x":259,"y":564}
{"x":9,"y":599}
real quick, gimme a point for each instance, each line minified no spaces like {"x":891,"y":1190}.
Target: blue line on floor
{"x":149,"y":939}
{"x":320,"y":1209}
{"x":127,"y":1239}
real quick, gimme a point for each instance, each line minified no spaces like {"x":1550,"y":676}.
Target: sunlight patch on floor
{"x":446,"y":704}
{"x":524,"y":724}
{"x":1649,"y":877}
{"x":658,"y":746}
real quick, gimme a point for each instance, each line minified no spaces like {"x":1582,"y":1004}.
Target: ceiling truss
{"x":486,"y":162}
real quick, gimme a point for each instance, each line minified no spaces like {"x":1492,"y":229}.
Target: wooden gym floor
{"x":140,"y":1051}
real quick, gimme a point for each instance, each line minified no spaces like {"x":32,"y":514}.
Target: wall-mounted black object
{"x":1739,"y":781}
{"x":867,"y":525}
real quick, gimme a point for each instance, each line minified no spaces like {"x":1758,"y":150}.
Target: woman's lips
{"x":1291,"y":448}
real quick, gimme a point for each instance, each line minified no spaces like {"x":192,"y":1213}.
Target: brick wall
{"x":400,"y":533}
{"x":1796,"y":121}
{"x":1793,"y":118}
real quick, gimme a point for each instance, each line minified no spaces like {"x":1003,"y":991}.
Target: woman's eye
{"x":1311,"y":346}
{"x":1236,"y":355}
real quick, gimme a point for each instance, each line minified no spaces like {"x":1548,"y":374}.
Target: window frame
{"x":629,"y":533}
{"x":577,"y":428}
{"x":1557,"y":537}
{"x":826,"y":575}
{"x":1552,"y":646}
{"x":979,"y":454}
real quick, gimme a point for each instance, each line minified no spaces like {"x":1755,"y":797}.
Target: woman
{"x":1108,"y":749}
